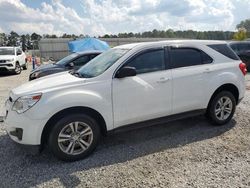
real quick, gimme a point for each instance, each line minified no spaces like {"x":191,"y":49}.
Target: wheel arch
{"x":72,"y":110}
{"x":226,"y":87}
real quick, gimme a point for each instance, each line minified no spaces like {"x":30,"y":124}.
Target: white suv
{"x":12,"y":59}
{"x":137,"y":84}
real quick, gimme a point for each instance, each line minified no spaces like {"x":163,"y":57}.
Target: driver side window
{"x":19,"y":51}
{"x":81,"y":61}
{"x":148,"y":61}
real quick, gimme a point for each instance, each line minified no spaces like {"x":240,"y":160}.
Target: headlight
{"x":10,"y":60}
{"x":35,"y":74}
{"x":24,"y":103}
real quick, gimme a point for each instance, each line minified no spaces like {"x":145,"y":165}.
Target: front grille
{"x":2,"y":61}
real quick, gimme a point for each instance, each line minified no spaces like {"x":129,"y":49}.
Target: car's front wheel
{"x":74,"y":137}
{"x":221,"y":108}
{"x":18,"y":68}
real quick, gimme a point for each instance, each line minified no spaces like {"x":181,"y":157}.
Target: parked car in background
{"x":12,"y":59}
{"x":129,"y":85}
{"x":73,"y":61}
{"x":242,"y":49}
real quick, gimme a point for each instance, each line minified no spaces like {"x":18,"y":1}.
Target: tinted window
{"x":101,"y":63}
{"x":183,"y":57}
{"x":148,"y":61}
{"x":92,"y":56}
{"x":19,"y":50}
{"x":225,"y":50}
{"x":81,"y":60}
{"x":206,"y":59}
{"x":234,"y":47}
{"x":7,"y":51}
{"x":243,"y":47}
{"x":67,"y":59}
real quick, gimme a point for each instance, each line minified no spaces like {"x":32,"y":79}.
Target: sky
{"x":98,"y":17}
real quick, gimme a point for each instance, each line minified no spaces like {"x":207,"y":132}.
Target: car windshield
{"x":101,"y":63}
{"x":66,"y":59}
{"x":7,"y":51}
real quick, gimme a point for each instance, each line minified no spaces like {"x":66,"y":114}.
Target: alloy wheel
{"x":223,"y":108}
{"x":75,"y":138}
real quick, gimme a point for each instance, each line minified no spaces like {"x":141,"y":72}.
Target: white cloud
{"x":111,"y":16}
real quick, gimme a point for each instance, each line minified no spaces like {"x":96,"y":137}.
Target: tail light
{"x":243,"y":68}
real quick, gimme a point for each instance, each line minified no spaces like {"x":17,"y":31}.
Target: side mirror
{"x":71,"y":64}
{"x":18,"y":53}
{"x":126,"y":72}
{"x":51,"y":59}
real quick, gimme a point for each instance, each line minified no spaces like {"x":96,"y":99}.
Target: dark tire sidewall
{"x":17,"y":64}
{"x":53,"y":144}
{"x":25,"y":67}
{"x":211,"y":108}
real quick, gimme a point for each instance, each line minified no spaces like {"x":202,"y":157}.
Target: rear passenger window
{"x":206,"y":59}
{"x":225,"y":50}
{"x":184,"y":57}
{"x":149,"y":61}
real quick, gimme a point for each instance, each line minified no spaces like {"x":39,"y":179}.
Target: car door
{"x":190,"y":67}
{"x":147,"y":95}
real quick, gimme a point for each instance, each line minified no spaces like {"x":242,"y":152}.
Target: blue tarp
{"x":87,"y":44}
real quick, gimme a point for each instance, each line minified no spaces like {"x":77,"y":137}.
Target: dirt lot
{"x":187,"y":153}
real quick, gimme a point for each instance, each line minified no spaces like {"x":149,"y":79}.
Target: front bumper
{"x":23,"y":129}
{"x":7,"y":67}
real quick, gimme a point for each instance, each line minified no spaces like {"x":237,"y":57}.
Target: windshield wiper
{"x":77,"y":74}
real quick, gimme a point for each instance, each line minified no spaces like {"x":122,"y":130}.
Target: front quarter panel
{"x":96,"y":95}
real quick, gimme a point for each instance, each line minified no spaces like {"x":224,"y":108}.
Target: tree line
{"x":28,"y":41}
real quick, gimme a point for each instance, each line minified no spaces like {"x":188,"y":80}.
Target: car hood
{"x":48,"y":83}
{"x":47,"y":67}
{"x":6,"y":57}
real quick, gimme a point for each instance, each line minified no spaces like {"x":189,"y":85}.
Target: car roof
{"x":168,"y":42}
{"x":89,"y":52}
{"x":239,"y":42}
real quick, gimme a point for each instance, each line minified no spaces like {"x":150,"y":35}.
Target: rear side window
{"x":243,"y":47}
{"x":225,"y":50}
{"x":184,"y":57}
{"x":148,"y":61}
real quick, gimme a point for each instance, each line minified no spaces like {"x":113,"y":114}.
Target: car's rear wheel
{"x":221,"y":108}
{"x":18,"y":68}
{"x":74,"y":137}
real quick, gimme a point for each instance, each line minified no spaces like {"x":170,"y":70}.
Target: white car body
{"x":130,"y":100}
{"x":8,"y":62}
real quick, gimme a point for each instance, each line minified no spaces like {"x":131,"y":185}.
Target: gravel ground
{"x":186,"y":153}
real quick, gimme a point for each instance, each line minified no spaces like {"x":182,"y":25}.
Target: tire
{"x":221,"y":108}
{"x":82,"y":146}
{"x":25,"y":67}
{"x":18,"y":68}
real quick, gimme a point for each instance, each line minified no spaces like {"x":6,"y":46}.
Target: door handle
{"x":163,"y":80}
{"x":207,"y":70}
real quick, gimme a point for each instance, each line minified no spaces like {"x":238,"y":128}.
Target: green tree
{"x":13,"y":39}
{"x":24,"y":42}
{"x":244,"y":24}
{"x":35,"y":37}
{"x":241,"y":34}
